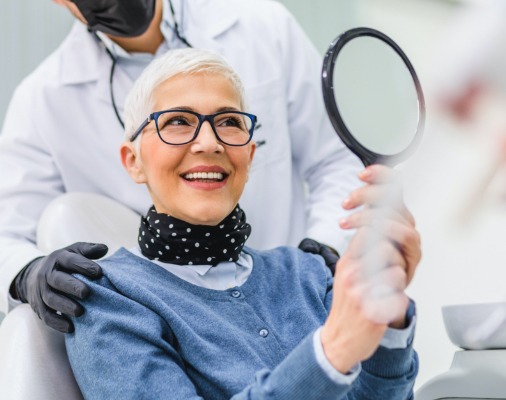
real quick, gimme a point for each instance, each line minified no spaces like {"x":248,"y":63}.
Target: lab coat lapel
{"x":79,"y":57}
{"x":121,"y":82}
{"x":205,"y":20}
{"x":84,"y":60}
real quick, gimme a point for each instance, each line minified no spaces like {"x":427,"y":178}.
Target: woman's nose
{"x":206,"y":140}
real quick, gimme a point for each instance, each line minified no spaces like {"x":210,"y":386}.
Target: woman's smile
{"x":206,"y":177}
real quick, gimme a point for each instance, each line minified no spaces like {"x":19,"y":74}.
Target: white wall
{"x":29,"y":31}
{"x":323,"y":20}
{"x":416,"y":25}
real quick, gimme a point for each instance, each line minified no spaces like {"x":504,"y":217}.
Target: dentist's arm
{"x":29,"y":180}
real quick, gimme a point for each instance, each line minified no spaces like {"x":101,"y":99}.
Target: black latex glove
{"x":330,"y":256}
{"x":47,"y":284}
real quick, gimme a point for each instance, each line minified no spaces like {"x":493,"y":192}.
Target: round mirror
{"x":373,"y":96}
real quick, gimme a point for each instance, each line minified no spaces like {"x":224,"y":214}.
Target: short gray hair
{"x":139,"y":102}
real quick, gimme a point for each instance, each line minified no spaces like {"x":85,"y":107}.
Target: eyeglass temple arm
{"x":140,"y":128}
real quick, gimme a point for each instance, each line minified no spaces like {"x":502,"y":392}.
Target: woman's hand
{"x":352,"y":332}
{"x":373,"y":273}
{"x":384,"y":210}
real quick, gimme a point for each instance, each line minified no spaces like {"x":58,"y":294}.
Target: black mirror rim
{"x":366,"y":155}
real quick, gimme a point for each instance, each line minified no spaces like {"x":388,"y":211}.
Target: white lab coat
{"x":61,"y":134}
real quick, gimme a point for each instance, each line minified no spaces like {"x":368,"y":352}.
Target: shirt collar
{"x":115,"y":49}
{"x":201,"y":270}
{"x":242,"y":262}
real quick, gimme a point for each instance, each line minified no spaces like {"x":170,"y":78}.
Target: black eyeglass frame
{"x":202,"y":118}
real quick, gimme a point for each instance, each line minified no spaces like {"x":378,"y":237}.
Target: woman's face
{"x":170,"y":172}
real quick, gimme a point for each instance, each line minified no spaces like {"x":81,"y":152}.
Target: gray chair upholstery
{"x":33,"y":358}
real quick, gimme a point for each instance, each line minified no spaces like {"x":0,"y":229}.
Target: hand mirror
{"x":373,"y":96}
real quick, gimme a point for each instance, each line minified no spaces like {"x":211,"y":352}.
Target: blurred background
{"x":454,"y":184}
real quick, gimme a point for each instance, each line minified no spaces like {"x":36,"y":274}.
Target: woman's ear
{"x":252,"y":148}
{"x":252,"y":153}
{"x":132,"y":162}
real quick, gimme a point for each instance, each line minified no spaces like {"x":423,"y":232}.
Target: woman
{"x":192,"y":313}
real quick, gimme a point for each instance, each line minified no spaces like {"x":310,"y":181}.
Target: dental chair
{"x":478,"y":371}
{"x":33,"y":358}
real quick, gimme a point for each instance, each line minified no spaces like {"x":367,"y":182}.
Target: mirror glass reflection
{"x":376,"y":95}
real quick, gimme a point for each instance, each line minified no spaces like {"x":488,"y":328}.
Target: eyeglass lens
{"x":178,"y":127}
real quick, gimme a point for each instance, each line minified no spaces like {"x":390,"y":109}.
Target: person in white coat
{"x":68,"y":111}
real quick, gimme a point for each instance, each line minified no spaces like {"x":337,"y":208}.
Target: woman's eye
{"x":173,"y":122}
{"x":231,"y":121}
{"x":178,"y":121}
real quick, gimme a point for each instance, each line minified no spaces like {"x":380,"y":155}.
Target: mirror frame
{"x":367,"y":156}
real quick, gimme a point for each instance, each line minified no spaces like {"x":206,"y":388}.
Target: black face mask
{"x":125,"y":18}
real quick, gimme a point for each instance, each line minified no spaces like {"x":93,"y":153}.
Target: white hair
{"x":139,"y":102}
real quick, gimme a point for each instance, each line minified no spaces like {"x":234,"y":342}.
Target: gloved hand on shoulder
{"x":47,"y":284}
{"x":330,"y":255}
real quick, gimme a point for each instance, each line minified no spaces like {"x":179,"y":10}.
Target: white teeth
{"x":218,"y":176}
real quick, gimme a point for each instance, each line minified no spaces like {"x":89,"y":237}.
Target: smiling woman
{"x":174,"y":173}
{"x":194,"y":313}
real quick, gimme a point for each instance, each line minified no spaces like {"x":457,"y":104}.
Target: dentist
{"x":64,"y":126}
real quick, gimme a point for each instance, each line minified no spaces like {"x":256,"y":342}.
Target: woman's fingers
{"x":380,"y":297}
{"x":383,"y":189}
{"x":375,"y":195}
{"x":386,"y":243}
{"x":371,"y":217}
{"x":371,"y":248}
{"x":378,"y":173}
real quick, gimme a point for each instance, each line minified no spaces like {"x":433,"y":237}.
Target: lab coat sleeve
{"x":328,"y":167}
{"x":29,"y":180}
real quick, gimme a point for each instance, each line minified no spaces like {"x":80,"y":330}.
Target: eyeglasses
{"x":178,"y":127}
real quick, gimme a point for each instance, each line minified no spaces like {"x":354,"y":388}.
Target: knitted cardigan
{"x":147,"y":334}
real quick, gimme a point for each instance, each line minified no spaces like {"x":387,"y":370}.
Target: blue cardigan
{"x":147,"y":334}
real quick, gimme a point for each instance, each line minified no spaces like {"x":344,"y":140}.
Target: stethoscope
{"x":114,"y":60}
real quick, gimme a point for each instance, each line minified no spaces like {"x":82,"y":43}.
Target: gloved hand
{"x":47,"y":284}
{"x":330,"y":256}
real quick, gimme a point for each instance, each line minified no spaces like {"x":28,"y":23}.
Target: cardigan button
{"x":236,"y":294}
{"x":263,"y":332}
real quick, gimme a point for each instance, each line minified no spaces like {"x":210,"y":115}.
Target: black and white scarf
{"x":171,"y":240}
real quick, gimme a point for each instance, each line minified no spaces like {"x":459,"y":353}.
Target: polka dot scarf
{"x":168,"y":239}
